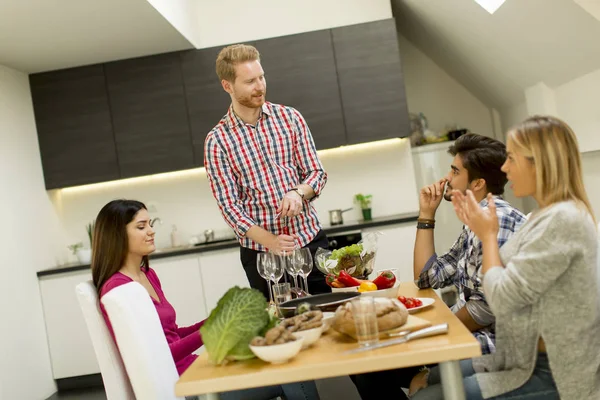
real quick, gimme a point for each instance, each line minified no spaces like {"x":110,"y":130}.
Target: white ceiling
{"x":42,"y":35}
{"x":498,"y":56}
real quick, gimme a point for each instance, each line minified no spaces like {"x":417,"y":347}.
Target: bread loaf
{"x":390,"y":315}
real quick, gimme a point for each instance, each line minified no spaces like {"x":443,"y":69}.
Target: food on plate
{"x":390,"y":315}
{"x":283,"y":333}
{"x":332,"y":281}
{"x":410,"y":302}
{"x":277,"y":335}
{"x":367,"y":287}
{"x":385,"y":280}
{"x":239,"y":316}
{"x":308,"y":320}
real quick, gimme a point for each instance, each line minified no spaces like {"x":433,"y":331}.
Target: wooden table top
{"x":324,"y":359}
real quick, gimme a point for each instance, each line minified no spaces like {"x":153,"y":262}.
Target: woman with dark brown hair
{"x":123,"y":238}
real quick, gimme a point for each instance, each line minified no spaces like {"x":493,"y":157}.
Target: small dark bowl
{"x":324,"y":302}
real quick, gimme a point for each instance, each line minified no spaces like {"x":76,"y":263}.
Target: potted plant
{"x":84,"y":256}
{"x":364,"y":200}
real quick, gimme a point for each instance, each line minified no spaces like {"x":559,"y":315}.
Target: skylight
{"x":490,"y":5}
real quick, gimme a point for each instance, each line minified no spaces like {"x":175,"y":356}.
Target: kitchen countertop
{"x":181,"y":251}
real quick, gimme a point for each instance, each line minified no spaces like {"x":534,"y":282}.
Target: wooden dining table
{"x":325,"y":359}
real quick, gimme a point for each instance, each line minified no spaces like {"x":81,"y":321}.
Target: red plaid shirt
{"x":250,"y":169}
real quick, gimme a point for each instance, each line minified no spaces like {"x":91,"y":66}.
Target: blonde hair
{"x":233,"y":55}
{"x":552,"y":146}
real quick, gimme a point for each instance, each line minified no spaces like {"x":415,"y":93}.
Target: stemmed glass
{"x":263,"y":266}
{"x":305,"y":260}
{"x":274,"y":269}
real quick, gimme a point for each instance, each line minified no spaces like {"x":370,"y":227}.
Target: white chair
{"x":116,"y":381}
{"x":142,"y":342}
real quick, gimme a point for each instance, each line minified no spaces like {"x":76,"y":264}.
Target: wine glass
{"x":263,"y":266}
{"x":306,"y":265}
{"x":292,"y":266}
{"x":275,"y":269}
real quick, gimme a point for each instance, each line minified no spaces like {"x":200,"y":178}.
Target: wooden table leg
{"x":452,"y":380}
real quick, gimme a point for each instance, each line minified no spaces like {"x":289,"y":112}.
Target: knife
{"x":421,"y":333}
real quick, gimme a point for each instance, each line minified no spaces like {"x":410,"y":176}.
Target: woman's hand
{"x":483,"y":223}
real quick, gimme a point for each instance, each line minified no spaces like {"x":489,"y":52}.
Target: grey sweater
{"x":548,"y":289}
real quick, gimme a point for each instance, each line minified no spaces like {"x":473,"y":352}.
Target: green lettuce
{"x":238,"y":317}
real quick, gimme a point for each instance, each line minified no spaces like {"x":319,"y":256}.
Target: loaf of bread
{"x":390,"y":315}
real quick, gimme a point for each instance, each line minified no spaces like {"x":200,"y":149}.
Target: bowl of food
{"x":277,"y":346}
{"x":308,"y":325}
{"x":357,"y":260}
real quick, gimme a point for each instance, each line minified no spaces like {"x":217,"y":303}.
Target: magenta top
{"x":182,"y":340}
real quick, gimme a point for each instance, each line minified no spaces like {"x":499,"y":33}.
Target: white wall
{"x":578,"y":104}
{"x":182,"y":15}
{"x":383,"y":169}
{"x":231,"y":21}
{"x":30,"y":236}
{"x":444,"y":101}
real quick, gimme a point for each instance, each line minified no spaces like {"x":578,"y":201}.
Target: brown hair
{"x":233,"y":55}
{"x":110,"y":243}
{"x":551,"y":145}
{"x":482,"y":157}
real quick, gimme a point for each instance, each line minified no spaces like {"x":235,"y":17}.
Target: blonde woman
{"x":542,"y":284}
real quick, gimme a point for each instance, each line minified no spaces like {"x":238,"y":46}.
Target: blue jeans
{"x":540,"y":386}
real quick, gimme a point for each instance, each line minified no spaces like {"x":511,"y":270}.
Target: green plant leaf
{"x":239,"y":316}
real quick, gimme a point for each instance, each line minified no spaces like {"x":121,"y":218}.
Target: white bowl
{"x":310,"y":336}
{"x":278,"y":353}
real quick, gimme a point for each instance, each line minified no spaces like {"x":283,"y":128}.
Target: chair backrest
{"x":116,"y":381}
{"x":142,"y":342}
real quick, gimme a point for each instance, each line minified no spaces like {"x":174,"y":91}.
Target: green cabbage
{"x":240,"y":315}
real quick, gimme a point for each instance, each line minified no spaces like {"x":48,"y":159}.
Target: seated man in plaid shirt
{"x":476,"y":166}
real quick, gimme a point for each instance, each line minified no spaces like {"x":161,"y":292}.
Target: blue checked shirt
{"x":460,"y":267}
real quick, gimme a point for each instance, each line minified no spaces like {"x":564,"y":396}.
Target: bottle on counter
{"x":175,"y":240}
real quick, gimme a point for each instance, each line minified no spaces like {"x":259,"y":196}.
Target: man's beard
{"x":251,"y":101}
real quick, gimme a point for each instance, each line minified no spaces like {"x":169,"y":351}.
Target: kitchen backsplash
{"x":383,"y":169}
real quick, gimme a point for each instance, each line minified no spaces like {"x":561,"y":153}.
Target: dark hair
{"x":110,"y":243}
{"x":482,"y":157}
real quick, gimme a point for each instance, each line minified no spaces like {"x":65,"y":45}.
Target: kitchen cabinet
{"x":395,"y":249}
{"x":207,"y":102}
{"x":182,"y":285}
{"x":71,"y":350}
{"x":147,"y":105}
{"x":371,"y":82}
{"x":151,"y":114}
{"x":74,"y":126}
{"x":221,"y":270}
{"x":301,"y":73}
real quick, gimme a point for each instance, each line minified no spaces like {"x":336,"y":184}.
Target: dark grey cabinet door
{"x":74,"y":127}
{"x":147,"y":104}
{"x":207,"y":102}
{"x":371,"y":81}
{"x":300,"y":72}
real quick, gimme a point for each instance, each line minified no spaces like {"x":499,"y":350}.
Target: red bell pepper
{"x":347,"y":280}
{"x":385,"y":280}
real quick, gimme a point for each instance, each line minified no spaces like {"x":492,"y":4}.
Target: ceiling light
{"x":490,"y":5}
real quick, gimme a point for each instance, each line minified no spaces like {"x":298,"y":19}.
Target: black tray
{"x":324,"y":302}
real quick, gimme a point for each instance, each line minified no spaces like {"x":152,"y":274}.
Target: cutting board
{"x":412,"y":324}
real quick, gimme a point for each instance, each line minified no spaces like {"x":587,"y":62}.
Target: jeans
{"x":540,"y":385}
{"x":289,"y":391}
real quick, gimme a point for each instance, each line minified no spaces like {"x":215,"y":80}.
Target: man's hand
{"x":430,"y":198}
{"x":282,"y":243}
{"x":291,"y":204}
